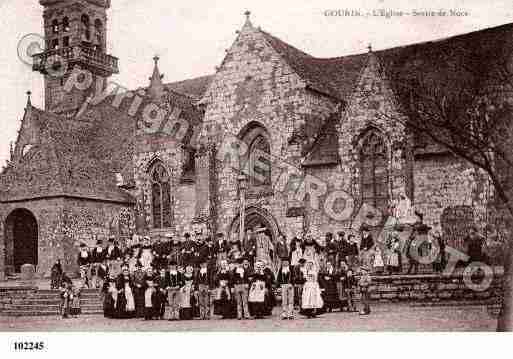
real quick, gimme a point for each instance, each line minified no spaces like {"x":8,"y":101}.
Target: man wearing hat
{"x":175,"y":252}
{"x":84,"y":261}
{"x":240,"y":282}
{"x":299,"y":281}
{"x":366,"y":245}
{"x":264,"y":246}
{"x":188,"y":250}
{"x":146,"y":253}
{"x":221,"y":248}
{"x":97,"y":257}
{"x":207,"y":254}
{"x":286,"y":281}
{"x":204,"y":285}
{"x":174,"y":283}
{"x":364,"y":283}
{"x":139,"y":280}
{"x":113,"y":252}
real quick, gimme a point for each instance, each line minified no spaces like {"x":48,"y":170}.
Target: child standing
{"x":379,"y":265}
{"x":75,"y":301}
{"x":150,"y":299}
{"x":66,"y":297}
{"x":364,"y":283}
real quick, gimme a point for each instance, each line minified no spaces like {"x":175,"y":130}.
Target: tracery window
{"x":161,"y":196}
{"x":98,"y":29}
{"x":65,"y":24}
{"x":259,"y":162}
{"x":55,"y":26}
{"x":86,"y":32}
{"x":374,"y":171}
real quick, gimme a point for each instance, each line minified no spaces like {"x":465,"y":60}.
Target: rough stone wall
{"x":149,"y":149}
{"x":48,"y":214}
{"x":254,"y":84}
{"x":65,"y":223}
{"x":372,"y":105}
{"x":446,"y":181}
{"x":85,"y":221}
{"x":318,"y":219}
{"x":185,"y":204}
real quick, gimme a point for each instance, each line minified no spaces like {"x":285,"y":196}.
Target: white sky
{"x":191,"y":36}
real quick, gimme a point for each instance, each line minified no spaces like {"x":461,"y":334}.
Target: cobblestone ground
{"x":389,"y":317}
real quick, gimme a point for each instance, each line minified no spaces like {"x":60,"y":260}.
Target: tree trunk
{"x":505,"y":322}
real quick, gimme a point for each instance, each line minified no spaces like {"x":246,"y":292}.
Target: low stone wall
{"x":434,"y":287}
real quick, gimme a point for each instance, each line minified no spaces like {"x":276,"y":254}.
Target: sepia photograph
{"x":223,"y":166}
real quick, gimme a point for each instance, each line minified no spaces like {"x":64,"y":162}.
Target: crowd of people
{"x":206,"y":277}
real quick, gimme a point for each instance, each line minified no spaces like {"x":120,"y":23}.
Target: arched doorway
{"x":21,"y":239}
{"x":256,"y":217}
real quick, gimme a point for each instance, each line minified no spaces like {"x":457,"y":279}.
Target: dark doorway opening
{"x":21,"y":239}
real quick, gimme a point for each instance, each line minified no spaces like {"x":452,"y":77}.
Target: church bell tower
{"x":75,"y":36}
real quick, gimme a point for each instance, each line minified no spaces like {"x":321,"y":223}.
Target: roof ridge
{"x":437,"y":40}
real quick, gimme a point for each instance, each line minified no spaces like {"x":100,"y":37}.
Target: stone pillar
{"x":205,"y":211}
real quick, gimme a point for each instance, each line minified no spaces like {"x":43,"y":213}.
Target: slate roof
{"x":449,"y":65}
{"x":81,"y":157}
{"x":194,"y":87}
{"x":335,"y":76}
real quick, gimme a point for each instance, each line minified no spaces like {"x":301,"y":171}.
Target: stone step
{"x":41,"y":308}
{"x":42,"y":313}
{"x":454,"y":303}
{"x":39,"y":301}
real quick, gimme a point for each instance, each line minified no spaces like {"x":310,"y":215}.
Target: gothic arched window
{"x":65,"y":24}
{"x":86,"y":32}
{"x":98,"y":32}
{"x":160,"y":196}
{"x":259,"y":162}
{"x":55,"y":26}
{"x":374,"y":171}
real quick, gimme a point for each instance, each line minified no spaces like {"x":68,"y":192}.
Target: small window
{"x":98,"y":33}
{"x":65,"y":41}
{"x":55,"y":26}
{"x":374,"y":177}
{"x":86,"y":32}
{"x":161,"y":196}
{"x":65,"y":24}
{"x":55,"y":44}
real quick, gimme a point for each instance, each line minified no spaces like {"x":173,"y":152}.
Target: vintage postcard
{"x":235,"y":166}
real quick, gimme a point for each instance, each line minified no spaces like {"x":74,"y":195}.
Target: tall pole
{"x":242,"y":190}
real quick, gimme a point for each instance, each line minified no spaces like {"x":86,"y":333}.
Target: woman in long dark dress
{"x":270,"y":297}
{"x":126,"y":302}
{"x":328,"y":282}
{"x":56,"y":275}
{"x":110,"y":295}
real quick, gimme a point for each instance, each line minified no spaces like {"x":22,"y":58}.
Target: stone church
{"x":89,"y":165}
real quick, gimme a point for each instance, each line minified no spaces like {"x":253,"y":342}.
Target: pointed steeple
{"x":29,"y":102}
{"x":156,"y":89}
{"x":247,"y":23}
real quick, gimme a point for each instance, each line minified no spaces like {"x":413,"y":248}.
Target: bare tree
{"x":459,"y":97}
